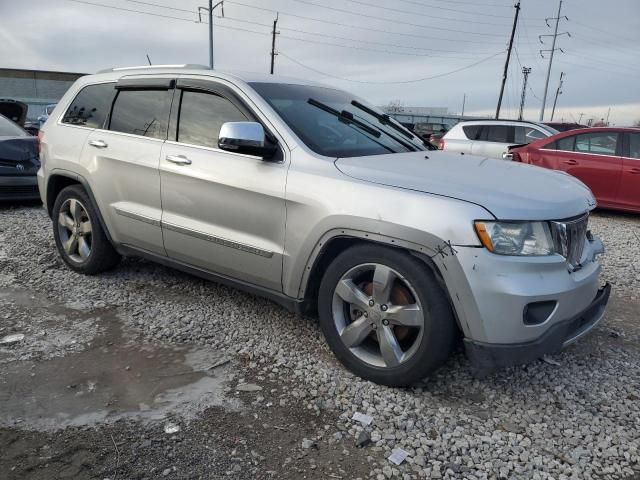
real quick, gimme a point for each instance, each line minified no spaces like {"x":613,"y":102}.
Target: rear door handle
{"x":178,"y":159}
{"x":635,"y":170}
{"x":98,"y":143}
{"x":570,"y":162}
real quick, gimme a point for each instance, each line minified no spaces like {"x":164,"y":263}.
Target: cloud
{"x":599,"y":59}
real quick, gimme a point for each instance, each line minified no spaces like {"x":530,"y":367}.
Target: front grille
{"x":569,"y":237}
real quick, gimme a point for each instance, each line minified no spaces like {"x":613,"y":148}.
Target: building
{"x":414,"y":115}
{"x":36,"y":88}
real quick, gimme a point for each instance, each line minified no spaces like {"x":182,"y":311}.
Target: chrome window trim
{"x":217,"y":150}
{"x":580,"y":153}
{"x":217,"y":240}
{"x":131,"y":135}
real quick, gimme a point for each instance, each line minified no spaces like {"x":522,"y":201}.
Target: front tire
{"x":384,"y":315}
{"x":79,"y":236}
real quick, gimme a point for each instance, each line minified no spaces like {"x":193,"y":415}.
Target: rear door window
{"x":141,"y":112}
{"x":91,"y":106}
{"x":202,"y":116}
{"x":499,"y":133}
{"x":602,"y":143}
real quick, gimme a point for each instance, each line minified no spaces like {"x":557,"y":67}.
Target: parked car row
{"x":314,"y":198}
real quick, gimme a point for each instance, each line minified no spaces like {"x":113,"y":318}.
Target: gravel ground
{"x":575,"y":417}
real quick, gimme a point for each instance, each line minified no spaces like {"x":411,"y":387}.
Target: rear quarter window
{"x":472,"y":132}
{"x":91,"y":106}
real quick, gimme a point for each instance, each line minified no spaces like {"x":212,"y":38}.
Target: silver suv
{"x":310,"y":196}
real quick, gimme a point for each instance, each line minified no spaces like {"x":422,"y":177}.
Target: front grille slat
{"x":570,"y":237}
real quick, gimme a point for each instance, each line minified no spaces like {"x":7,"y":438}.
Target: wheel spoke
{"x":355,"y":333}
{"x":71,"y":244}
{"x":383,"y":278}
{"x":389,"y":347}
{"x":83,"y":248}
{"x":65,"y":220}
{"x":85,"y":228}
{"x":75,"y":209}
{"x":406,"y":315}
{"x":350,"y":293}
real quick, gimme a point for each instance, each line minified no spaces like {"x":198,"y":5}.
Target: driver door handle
{"x":571,"y":162}
{"x":178,"y":159}
{"x":98,"y":143}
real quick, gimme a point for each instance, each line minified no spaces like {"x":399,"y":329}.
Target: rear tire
{"x":79,"y":236}
{"x":396,"y":325}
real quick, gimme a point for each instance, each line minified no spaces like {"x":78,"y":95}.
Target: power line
{"x":553,"y":50}
{"x":416,"y":14}
{"x":383,"y":19}
{"x":391,"y":83}
{"x":337,"y":37}
{"x":359,"y":27}
{"x":477,"y":4}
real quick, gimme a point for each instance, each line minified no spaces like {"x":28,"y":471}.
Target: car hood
{"x":509,"y":190}
{"x":19,"y":156}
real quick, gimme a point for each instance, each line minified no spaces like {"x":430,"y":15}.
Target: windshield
{"x":355,"y":133}
{"x":10,"y":129}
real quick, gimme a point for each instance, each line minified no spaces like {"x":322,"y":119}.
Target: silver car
{"x":311,"y":197}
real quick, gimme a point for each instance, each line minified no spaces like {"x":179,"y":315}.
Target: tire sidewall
{"x":436,"y":342}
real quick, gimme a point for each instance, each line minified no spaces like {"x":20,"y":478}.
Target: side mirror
{"x":245,"y":137}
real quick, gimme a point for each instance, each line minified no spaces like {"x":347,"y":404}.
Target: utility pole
{"x":558,"y":92}
{"x":506,"y":63}
{"x":608,"y":112}
{"x":526,"y":71}
{"x":580,"y":119}
{"x":553,"y":49}
{"x":464,"y":100}
{"x":210,"y":10}
{"x":148,"y":59}
{"x":273,"y":42}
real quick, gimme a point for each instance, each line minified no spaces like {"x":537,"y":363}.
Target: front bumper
{"x":24,"y":187}
{"x":486,"y":356}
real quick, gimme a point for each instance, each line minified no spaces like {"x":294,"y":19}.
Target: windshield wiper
{"x":383,"y":118}
{"x":345,"y":117}
{"x":386,"y":120}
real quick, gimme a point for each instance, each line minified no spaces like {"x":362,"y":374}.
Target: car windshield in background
{"x":10,"y":129}
{"x":329,"y":123}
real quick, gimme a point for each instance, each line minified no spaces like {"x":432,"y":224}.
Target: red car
{"x":606,"y":159}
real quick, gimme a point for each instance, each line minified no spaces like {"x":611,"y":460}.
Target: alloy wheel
{"x":378,"y":315}
{"x":74,"y":230}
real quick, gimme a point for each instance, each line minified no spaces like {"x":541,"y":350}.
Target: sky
{"x":414,"y":52}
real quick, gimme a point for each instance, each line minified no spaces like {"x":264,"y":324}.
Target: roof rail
{"x":192,"y":66}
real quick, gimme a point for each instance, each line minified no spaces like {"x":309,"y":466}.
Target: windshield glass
{"x":330,"y":134}
{"x":10,"y":129}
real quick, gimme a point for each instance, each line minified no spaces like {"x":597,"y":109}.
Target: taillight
{"x":441,"y":144}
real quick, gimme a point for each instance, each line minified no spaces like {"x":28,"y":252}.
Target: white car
{"x":492,"y":138}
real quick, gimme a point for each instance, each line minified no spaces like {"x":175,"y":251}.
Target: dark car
{"x":563,"y":126}
{"x":19,"y":162}
{"x":606,"y":159}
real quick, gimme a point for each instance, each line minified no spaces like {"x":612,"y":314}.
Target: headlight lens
{"x":516,"y":238}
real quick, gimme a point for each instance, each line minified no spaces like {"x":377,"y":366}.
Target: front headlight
{"x":516,"y":238}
